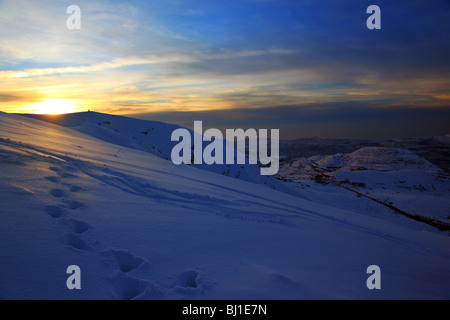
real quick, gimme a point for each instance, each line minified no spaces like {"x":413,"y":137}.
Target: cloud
{"x":6,"y":97}
{"x":341,"y":120}
{"x":174,"y":58}
{"x":142,"y":56}
{"x":36,"y":31}
{"x":116,"y":63}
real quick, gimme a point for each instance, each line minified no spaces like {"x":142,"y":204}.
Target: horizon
{"x":191,"y":127}
{"x":224,"y":151}
{"x":308,"y":69}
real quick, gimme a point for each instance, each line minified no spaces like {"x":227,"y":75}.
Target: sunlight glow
{"x":54,"y":106}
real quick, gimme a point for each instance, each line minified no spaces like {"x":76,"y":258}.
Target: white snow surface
{"x":140,"y":227}
{"x":150,"y":136}
{"x":393,"y":176}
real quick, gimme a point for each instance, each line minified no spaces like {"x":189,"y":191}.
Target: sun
{"x":54,"y":106}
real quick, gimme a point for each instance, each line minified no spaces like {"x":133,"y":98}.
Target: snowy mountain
{"x":308,"y":147}
{"x":395,"y":177}
{"x":140,"y":227}
{"x":150,"y":136}
{"x":434,"y":149}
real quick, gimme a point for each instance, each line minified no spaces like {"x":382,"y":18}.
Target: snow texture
{"x":140,"y":227}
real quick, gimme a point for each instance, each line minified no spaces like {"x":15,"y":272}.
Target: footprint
{"x":129,"y":288}
{"x":70,"y":168}
{"x":73,"y":205}
{"x":75,"y":241}
{"x":52,"y":179}
{"x":73,"y":188}
{"x":78,"y":227}
{"x":57,"y":193}
{"x":187,"y":279}
{"x":126,"y":260}
{"x":63,"y":172}
{"x":53,"y":211}
{"x":65,"y":175}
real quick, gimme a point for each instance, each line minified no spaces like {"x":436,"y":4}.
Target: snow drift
{"x":140,"y":227}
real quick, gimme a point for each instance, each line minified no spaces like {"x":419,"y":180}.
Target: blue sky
{"x":309,"y":68}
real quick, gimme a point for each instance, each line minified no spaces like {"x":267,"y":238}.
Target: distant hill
{"x":434,"y":149}
{"x":149,"y":136}
{"x":396,"y":177}
{"x":99,"y":196}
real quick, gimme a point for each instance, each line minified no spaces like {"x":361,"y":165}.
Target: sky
{"x":308,"y":68}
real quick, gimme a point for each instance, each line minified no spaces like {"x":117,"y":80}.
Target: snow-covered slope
{"x":140,"y":227}
{"x":150,"y":136}
{"x":393,"y":176}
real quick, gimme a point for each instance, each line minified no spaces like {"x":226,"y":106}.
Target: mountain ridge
{"x":140,"y":227}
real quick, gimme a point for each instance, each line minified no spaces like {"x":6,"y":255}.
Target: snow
{"x":149,"y":136}
{"x":140,"y":227}
{"x":398,"y":177}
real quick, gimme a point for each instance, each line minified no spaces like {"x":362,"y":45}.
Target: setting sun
{"x":54,"y":106}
